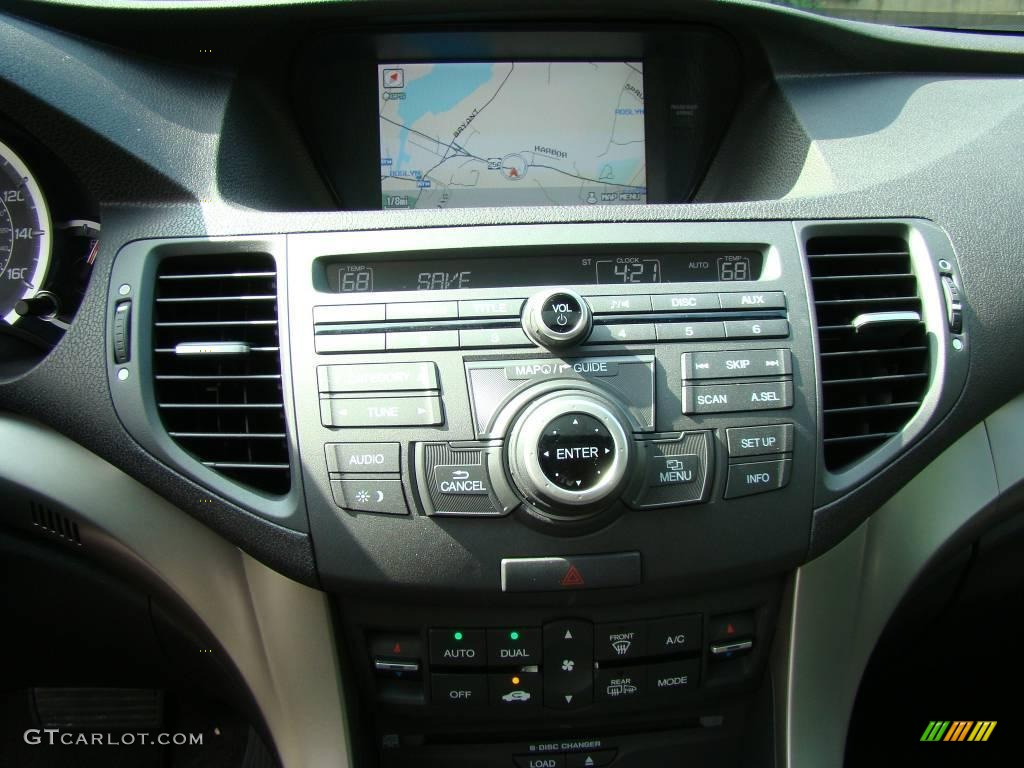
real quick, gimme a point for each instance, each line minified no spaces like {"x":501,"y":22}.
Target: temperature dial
{"x":557,"y":318}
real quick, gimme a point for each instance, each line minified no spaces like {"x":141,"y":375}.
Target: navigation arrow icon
{"x":607,"y":450}
{"x":547,"y":453}
{"x":568,"y":635}
{"x":575,"y":421}
{"x":579,"y":482}
{"x":568,"y":698}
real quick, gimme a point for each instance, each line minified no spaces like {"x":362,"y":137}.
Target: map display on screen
{"x":461,"y":135}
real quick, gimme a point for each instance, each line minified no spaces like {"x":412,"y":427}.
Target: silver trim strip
{"x":277,"y":632}
{"x":871,"y":319}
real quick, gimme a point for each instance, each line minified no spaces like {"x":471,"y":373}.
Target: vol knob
{"x":557,"y":318}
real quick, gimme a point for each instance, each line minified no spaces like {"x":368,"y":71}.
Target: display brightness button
{"x":575,"y":451}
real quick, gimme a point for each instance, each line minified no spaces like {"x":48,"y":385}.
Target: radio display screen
{"x":360,"y":276}
{"x":469,"y":134}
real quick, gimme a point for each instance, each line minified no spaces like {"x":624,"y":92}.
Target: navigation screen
{"x":511,"y":133}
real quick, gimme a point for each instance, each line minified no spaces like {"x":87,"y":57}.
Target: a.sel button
{"x":381,"y":496}
{"x":381,"y":411}
{"x":362,"y":458}
{"x":719,"y":398}
{"x":458,"y":690}
{"x":673,"y":679}
{"x":746,"y":362}
{"x":458,"y":647}
{"x":676,"y":634}
{"x":757,"y":477}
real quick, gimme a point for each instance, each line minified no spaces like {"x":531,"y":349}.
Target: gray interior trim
{"x":839,"y":604}
{"x":277,"y":632}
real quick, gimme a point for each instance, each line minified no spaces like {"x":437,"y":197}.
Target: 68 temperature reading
{"x":734,"y":269}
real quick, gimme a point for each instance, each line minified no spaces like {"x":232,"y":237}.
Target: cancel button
{"x":462,"y":480}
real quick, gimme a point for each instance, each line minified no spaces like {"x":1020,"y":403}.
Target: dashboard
{"x":525,"y":387}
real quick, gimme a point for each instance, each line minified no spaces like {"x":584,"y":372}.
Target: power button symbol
{"x":561,"y":313}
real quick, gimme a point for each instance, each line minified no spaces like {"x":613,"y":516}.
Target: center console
{"x":555,"y":474}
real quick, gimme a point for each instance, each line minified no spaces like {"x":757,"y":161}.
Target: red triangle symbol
{"x":572,"y":578}
{"x":397,"y":648}
{"x":730,"y":630}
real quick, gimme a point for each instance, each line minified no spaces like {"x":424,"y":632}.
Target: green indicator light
{"x":458,"y":635}
{"x":514,"y":635}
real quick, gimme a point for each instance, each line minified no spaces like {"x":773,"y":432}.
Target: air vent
{"x":54,"y":523}
{"x":874,"y":352}
{"x":217,"y":365}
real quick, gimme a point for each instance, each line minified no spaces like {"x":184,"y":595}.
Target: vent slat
{"x":873,"y":381}
{"x":226,"y":410}
{"x":221,"y":276}
{"x":877,"y":437}
{"x":870,"y":408}
{"x":212,"y":299}
{"x":229,"y":435}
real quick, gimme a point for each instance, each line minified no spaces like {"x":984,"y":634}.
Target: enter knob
{"x":557,"y":318}
{"x":570,"y":452}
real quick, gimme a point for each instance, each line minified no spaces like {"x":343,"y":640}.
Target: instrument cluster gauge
{"x":25,"y":241}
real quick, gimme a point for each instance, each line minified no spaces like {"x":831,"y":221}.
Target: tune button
{"x":575,"y":451}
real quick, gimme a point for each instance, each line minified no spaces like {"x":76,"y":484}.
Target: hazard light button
{"x":562,"y":574}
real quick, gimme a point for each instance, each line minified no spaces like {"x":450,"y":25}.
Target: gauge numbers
{"x":24,"y":234}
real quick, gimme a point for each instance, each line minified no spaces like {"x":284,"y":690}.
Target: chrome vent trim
{"x":873,"y":346}
{"x":217,"y":365}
